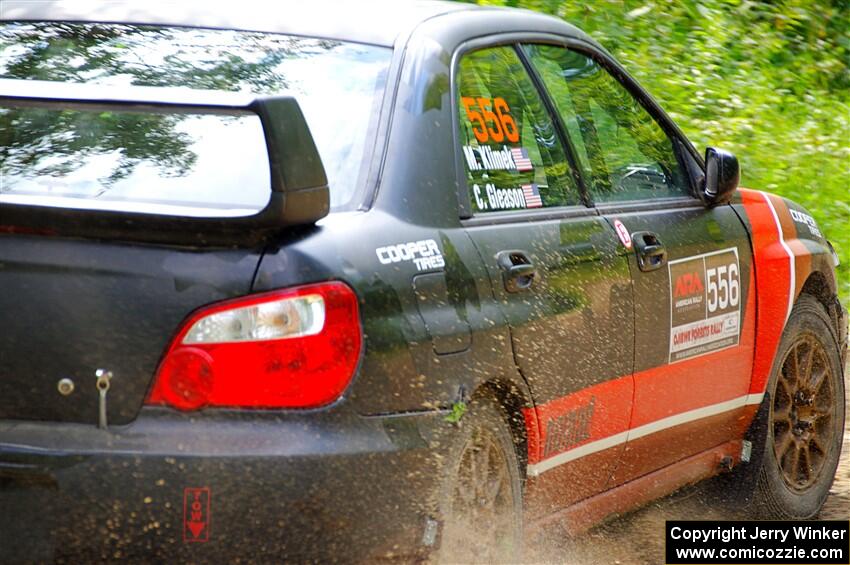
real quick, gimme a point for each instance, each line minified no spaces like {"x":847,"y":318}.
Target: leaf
{"x":458,"y":410}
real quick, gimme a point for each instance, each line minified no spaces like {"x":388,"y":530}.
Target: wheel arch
{"x":821,"y":284}
{"x":740,"y":488}
{"x":514,"y":398}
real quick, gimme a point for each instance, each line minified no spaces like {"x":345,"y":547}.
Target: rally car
{"x":420,"y":280}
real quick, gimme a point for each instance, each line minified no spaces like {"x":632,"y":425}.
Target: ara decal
{"x":705,"y":303}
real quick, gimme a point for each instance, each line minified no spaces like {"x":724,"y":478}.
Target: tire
{"x":481,"y":511}
{"x":803,"y":427}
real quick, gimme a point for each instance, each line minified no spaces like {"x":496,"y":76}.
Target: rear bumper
{"x":320,"y":486}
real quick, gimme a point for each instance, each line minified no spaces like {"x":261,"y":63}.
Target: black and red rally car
{"x":339,"y":282}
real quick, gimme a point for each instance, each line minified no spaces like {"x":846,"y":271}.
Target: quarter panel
{"x":70,"y":307}
{"x":404,"y":366}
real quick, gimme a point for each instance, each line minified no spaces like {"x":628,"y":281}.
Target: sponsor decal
{"x":196,"y":514}
{"x":705,"y":304}
{"x":425,"y":254}
{"x":491,"y":198}
{"x":623,"y":234}
{"x":806,"y":220}
{"x":568,"y":429}
{"x":484,"y":158}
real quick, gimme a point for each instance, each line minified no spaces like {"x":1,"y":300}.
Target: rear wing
{"x":299,"y":193}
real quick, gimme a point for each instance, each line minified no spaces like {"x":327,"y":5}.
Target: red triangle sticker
{"x":196,"y":527}
{"x":196,"y":513}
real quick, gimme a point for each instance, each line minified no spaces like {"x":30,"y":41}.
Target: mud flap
{"x":736,"y":489}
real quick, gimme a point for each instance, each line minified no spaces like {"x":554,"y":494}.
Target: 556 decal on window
{"x":705,"y":304}
{"x":491,"y":119}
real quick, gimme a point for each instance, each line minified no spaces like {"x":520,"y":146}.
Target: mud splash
{"x":638,"y":538}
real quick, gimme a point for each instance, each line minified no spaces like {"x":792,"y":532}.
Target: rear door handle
{"x":651,"y":253}
{"x":518,"y":272}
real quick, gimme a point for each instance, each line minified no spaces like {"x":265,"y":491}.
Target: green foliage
{"x":768,"y":80}
{"x":458,"y":410}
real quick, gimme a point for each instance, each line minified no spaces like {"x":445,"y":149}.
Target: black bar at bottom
{"x":692,"y":542}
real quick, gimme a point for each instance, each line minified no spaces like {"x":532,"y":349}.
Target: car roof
{"x":376,"y":22}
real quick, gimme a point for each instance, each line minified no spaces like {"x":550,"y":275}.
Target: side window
{"x":512,"y":154}
{"x":623,"y":152}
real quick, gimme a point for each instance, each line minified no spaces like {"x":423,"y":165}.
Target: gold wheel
{"x":802,"y":413}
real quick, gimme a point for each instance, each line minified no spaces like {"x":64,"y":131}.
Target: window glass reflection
{"x":338,"y":86}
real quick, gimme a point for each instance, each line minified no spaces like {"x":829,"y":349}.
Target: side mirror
{"x":722,"y":174}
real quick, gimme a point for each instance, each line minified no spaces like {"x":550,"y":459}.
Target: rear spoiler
{"x":299,"y":187}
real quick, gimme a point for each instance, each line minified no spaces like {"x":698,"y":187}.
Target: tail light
{"x":296,"y":348}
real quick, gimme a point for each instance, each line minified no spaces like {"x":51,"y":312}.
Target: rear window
{"x":156,"y":163}
{"x":168,"y":162}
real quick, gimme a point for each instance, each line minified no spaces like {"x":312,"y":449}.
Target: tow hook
{"x":104,"y":377}
{"x":726,"y":463}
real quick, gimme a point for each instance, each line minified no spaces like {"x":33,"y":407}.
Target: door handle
{"x":518,"y":272}
{"x":651,"y":253}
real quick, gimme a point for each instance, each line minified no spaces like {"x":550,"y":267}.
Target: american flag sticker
{"x":532,"y":196}
{"x":521,"y":160}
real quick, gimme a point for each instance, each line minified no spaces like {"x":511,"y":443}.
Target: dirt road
{"x":638,"y":539}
